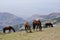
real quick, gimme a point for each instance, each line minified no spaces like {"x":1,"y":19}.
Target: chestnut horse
{"x":37,"y":23}
{"x":27,"y":27}
{"x":8,"y":28}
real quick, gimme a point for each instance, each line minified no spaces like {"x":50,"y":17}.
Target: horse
{"x":37,"y":23}
{"x":8,"y":28}
{"x":48,"y":25}
{"x":27,"y":27}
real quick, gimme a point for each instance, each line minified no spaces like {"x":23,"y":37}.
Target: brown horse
{"x":48,"y":25}
{"x":27,"y":27}
{"x":8,"y":28}
{"x":37,"y":23}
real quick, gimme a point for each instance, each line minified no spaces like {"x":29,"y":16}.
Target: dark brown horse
{"x":48,"y":25}
{"x":27,"y":27}
{"x":8,"y":28}
{"x":37,"y":23}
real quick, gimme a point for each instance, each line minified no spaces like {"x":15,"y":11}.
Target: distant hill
{"x":44,"y":17}
{"x":53,"y":15}
{"x":54,"y":20}
{"x":10,"y":19}
{"x":37,"y":16}
{"x":57,"y":20}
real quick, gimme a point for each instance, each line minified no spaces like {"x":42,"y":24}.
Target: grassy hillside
{"x":46,"y":34}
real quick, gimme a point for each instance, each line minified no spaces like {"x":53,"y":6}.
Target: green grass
{"x":46,"y":34}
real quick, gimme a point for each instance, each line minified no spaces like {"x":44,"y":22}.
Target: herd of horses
{"x":36,"y":26}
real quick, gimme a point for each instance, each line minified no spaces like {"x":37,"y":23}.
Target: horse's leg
{"x":37,"y":27}
{"x":26,"y":28}
{"x":9,"y":30}
{"x":34,"y":27}
{"x":40,"y":28}
{"x":3,"y":30}
{"x":51,"y":25}
{"x":30,"y":29}
{"x":46,"y":26}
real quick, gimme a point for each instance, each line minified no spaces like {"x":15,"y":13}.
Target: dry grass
{"x":46,"y":34}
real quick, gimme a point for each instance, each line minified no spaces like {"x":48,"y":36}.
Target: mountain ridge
{"x":10,"y":19}
{"x":44,"y":17}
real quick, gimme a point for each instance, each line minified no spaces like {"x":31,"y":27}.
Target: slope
{"x":46,"y":34}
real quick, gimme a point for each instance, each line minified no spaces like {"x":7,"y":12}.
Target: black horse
{"x":37,"y":25}
{"x":48,"y":25}
{"x":8,"y":28}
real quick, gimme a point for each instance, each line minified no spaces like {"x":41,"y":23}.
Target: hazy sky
{"x":26,"y":8}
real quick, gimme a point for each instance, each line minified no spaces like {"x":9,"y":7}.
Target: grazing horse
{"x":37,"y":23}
{"x":8,"y":28}
{"x":27,"y":27}
{"x":48,"y":25}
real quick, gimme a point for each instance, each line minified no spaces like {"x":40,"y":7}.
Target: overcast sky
{"x":26,"y":8}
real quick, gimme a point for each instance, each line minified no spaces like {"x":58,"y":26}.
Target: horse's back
{"x":48,"y":24}
{"x":37,"y":22}
{"x":26,"y":24}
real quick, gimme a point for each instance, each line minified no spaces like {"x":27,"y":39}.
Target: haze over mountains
{"x":11,"y":19}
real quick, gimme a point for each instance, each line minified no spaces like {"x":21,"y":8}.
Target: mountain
{"x":9,"y":19}
{"x":53,"y":15}
{"x":57,"y":20}
{"x":44,"y":17}
{"x":36,"y":16}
